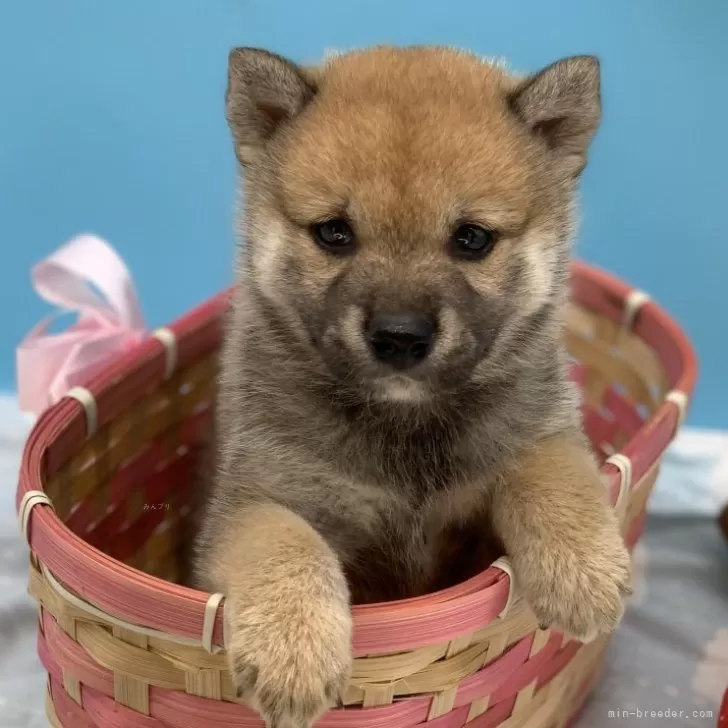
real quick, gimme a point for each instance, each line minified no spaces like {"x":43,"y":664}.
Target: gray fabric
{"x":22,"y":680}
{"x":671,"y":653}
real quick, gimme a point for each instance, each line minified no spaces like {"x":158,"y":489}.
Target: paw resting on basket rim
{"x":578,"y":588}
{"x":291,"y":670}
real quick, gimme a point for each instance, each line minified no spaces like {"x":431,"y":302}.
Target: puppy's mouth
{"x":401,"y":389}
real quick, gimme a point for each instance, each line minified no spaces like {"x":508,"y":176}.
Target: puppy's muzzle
{"x":401,"y":340}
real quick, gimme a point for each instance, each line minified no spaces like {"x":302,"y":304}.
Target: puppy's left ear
{"x":264,"y":92}
{"x":562,"y":105}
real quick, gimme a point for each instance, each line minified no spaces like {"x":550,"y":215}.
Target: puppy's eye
{"x":472,"y":242}
{"x":334,"y":235}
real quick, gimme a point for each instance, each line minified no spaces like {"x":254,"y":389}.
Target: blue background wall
{"x":111,"y":121}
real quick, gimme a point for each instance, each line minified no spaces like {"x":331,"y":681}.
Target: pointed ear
{"x":264,"y":91}
{"x":562,"y":105}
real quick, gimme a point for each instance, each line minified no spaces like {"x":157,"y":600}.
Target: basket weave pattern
{"x":110,"y":477}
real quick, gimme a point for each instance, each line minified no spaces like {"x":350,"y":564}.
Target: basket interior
{"x":128,"y":492}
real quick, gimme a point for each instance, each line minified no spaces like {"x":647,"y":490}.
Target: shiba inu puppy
{"x":394,"y":370}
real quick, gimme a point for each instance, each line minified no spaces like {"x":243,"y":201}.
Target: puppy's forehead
{"x":428,"y":132}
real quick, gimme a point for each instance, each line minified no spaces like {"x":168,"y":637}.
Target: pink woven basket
{"x":104,"y":496}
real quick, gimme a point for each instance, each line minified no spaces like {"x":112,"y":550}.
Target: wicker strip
{"x":680,"y":400}
{"x":87,"y":401}
{"x":504,"y":564}
{"x":209,"y":624}
{"x":167,"y":338}
{"x":624,"y":464}
{"x":31,"y":499}
{"x":90,"y":611}
{"x":632,"y":305}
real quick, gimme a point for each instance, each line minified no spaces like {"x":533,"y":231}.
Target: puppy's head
{"x":409,"y":210}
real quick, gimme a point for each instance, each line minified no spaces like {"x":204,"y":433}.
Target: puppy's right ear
{"x":562,"y":105}
{"x":264,"y":91}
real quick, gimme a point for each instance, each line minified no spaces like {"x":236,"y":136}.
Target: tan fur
{"x":289,"y":607}
{"x":564,"y":542}
{"x":337,"y":479}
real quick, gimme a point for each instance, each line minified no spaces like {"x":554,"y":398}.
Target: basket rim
{"x":410,"y":623}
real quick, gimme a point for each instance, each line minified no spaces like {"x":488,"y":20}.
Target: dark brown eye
{"x":472,"y":242}
{"x":334,"y":235}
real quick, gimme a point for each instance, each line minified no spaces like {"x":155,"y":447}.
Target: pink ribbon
{"x":48,"y":365}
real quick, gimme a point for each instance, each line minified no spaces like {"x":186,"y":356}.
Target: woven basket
{"x":105,"y":494}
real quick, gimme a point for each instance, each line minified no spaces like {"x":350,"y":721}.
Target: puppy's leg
{"x":563,"y":539}
{"x":288,"y":613}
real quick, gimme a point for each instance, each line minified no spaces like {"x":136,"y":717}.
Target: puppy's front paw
{"x":291,"y":666}
{"x":577,"y":582}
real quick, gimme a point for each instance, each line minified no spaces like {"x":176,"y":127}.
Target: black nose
{"x":401,"y":339}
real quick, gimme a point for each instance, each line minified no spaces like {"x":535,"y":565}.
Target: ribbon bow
{"x":48,"y":365}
